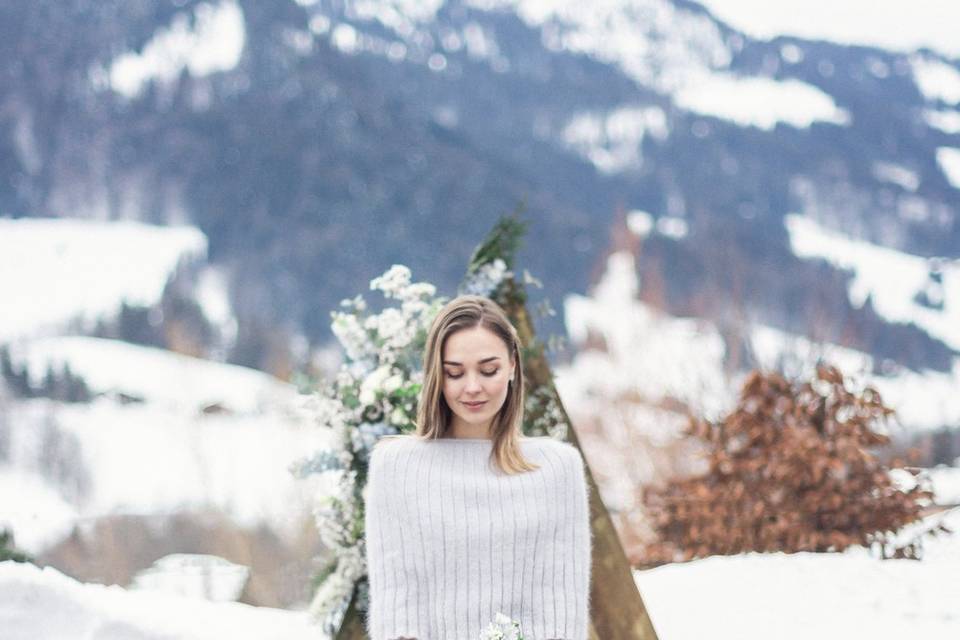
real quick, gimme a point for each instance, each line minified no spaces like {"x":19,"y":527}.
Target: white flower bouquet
{"x":502,"y":628}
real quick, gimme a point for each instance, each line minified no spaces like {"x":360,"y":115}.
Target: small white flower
{"x":392,"y":383}
{"x":372,"y":384}
{"x":391,"y":283}
{"x":398,"y":417}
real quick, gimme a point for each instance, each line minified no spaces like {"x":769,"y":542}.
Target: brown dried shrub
{"x":790,"y":469}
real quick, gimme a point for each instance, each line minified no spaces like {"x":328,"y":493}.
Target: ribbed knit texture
{"x":451,"y":540}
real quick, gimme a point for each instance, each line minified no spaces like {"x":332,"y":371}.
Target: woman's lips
{"x":474,"y":405}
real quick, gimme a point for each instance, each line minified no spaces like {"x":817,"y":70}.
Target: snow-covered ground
{"x":58,"y":270}
{"x":807,"y":595}
{"x":946,"y":485}
{"x":745,"y":597}
{"x":44,"y":604}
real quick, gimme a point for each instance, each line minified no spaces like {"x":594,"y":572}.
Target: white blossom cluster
{"x":502,"y":628}
{"x":373,"y":394}
{"x":486,"y":279}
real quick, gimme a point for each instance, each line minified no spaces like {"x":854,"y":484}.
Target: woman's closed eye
{"x":489,"y":374}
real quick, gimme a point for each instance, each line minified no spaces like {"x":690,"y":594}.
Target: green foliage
{"x":502,"y":242}
{"x":7,"y":549}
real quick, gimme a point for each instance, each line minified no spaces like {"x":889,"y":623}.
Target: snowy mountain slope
{"x":165,"y":432}
{"x":636,"y":372}
{"x":70,"y":464}
{"x":421,"y":118}
{"x":627,"y":348}
{"x":53,"y":271}
{"x":903,"y":288}
{"x":659,"y":44}
{"x":159,"y":377}
{"x":928,"y":25}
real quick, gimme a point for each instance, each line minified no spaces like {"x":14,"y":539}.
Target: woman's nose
{"x":473,"y":383}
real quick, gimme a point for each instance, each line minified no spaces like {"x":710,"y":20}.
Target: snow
{"x":936,"y":79}
{"x":162,"y":378}
{"x":804,"y":595}
{"x":612,"y":140}
{"x":214,"y":43}
{"x":946,"y":485}
{"x":120,"y":456}
{"x":212,"y":294}
{"x":896,"y":174}
{"x":899,"y":25}
{"x":651,"y":357}
{"x":745,"y":597}
{"x":344,"y":38}
{"x":149,"y":460}
{"x":890,"y":278}
{"x":945,"y":121}
{"x":653,"y":41}
{"x":672,"y":227}
{"x":640,"y":222}
{"x":949,"y":160}
{"x":760,"y":102}
{"x":923,"y":401}
{"x":44,"y":604}
{"x":645,"y":351}
{"x":68,"y":269}
{"x":194,"y":575}
{"x":399,"y":15}
{"x":33,"y":509}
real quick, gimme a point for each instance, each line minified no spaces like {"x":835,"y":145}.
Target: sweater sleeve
{"x":393,"y":592}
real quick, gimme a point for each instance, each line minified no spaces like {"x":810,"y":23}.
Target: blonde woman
{"x":467,"y":518}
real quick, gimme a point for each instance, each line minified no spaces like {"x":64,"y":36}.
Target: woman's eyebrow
{"x":460,"y":364}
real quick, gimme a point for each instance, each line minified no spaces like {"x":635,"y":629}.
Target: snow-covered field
{"x":44,"y":604}
{"x":805,"y":595}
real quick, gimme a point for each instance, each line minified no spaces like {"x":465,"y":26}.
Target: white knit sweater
{"x":451,"y":540}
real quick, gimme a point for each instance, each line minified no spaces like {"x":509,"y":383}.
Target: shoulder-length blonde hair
{"x":434,"y":414}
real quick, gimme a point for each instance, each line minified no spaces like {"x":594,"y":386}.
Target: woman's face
{"x":476,"y":373}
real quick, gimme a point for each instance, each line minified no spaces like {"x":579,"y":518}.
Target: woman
{"x":466,"y":518}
